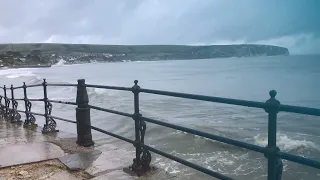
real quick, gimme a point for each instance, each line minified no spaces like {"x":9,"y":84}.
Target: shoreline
{"x":122,"y":61}
{"x":24,"y":66}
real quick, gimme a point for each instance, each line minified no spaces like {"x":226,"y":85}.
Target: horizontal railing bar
{"x":207,"y":135}
{"x":29,"y":112}
{"x":109,"y":87}
{"x":62,"y":102}
{"x":113,"y":135}
{"x":34,"y":85}
{"x":35,"y":99}
{"x":189,"y":164}
{"x":111,"y":111}
{"x":208,"y":98}
{"x":300,"y":110}
{"x":63,"y":119}
{"x":38,"y":114}
{"x":299,"y":159}
{"x":255,"y":104}
{"x":22,"y":99}
{"x":18,"y":87}
{"x":66,"y":85}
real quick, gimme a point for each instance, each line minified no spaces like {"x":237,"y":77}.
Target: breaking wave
{"x":285,"y":143}
{"x":60,"y":63}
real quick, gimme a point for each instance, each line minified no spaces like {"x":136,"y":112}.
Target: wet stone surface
{"x":111,"y":159}
{"x":80,"y":161}
{"x":15,"y":154}
{"x":21,"y":146}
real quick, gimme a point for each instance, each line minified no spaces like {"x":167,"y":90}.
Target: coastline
{"x":123,"y":61}
{"x":24,"y":66}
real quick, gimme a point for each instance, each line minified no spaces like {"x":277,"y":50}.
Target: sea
{"x":294,"y":77}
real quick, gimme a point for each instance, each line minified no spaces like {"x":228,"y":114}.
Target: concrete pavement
{"x":26,"y":153}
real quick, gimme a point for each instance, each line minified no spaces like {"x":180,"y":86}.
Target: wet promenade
{"x":26,"y":153}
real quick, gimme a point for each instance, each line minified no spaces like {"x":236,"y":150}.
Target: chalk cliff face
{"x":87,"y":52}
{"x":223,"y":51}
{"x":248,"y":50}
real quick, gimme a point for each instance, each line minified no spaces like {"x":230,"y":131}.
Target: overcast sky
{"x":294,"y":24}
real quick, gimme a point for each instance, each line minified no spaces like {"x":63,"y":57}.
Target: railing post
{"x":30,"y":119}
{"x":1,"y":107}
{"x":141,"y":163}
{"x":51,"y":124}
{"x":14,"y":115}
{"x":83,"y":116}
{"x":7,"y":103}
{"x":12,"y":104}
{"x":275,"y":165}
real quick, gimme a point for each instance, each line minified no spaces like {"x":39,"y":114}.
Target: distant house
{"x":22,"y":59}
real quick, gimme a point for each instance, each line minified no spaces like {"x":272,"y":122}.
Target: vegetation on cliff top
{"x":48,"y":53}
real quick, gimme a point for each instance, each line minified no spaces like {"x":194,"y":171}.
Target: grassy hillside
{"x":141,"y":49}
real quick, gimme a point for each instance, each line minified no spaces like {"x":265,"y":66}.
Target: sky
{"x":294,"y":24}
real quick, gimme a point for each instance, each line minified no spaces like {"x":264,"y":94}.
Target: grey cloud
{"x":160,"y":21}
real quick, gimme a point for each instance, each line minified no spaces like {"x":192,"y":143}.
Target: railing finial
{"x":136,"y":82}
{"x":273,"y":102}
{"x":81,"y":81}
{"x":82,"y":98}
{"x":24,"y":83}
{"x":273,"y":93}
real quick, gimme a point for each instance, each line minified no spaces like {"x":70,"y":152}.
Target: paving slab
{"x":80,"y":161}
{"x":15,"y":154}
{"x":110,"y":160}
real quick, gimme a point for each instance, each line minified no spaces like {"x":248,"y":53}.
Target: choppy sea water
{"x":296,"y":79}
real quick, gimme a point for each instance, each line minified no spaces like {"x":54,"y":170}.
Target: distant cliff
{"x":87,"y":52}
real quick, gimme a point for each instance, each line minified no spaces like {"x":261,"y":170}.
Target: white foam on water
{"x":21,"y":74}
{"x":100,"y":91}
{"x":285,"y":143}
{"x":222,"y":161}
{"x":60,"y":63}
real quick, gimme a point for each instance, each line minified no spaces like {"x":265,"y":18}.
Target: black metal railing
{"x":142,"y":160}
